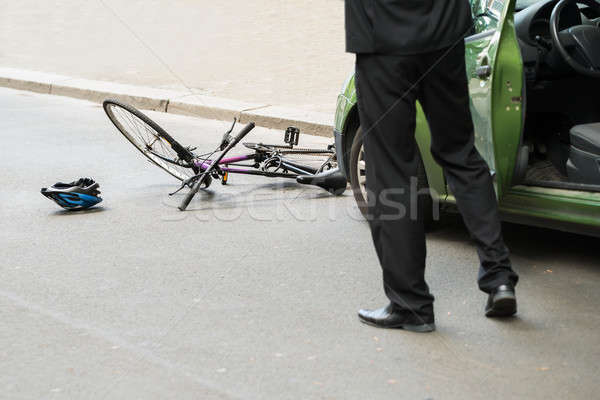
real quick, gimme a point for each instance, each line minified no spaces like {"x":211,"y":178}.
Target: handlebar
{"x":214,"y":164}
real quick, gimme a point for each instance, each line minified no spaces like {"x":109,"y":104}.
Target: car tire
{"x":358,"y":179}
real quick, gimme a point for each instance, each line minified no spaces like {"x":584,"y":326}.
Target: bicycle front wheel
{"x":152,"y":140}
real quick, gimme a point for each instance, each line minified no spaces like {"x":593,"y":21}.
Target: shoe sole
{"x":503,"y":306}
{"x":407,"y":327}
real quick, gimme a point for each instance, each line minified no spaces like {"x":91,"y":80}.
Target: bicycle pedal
{"x":292,"y":134}
{"x":224,"y":178}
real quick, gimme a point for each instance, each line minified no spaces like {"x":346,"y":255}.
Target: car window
{"x":495,"y":7}
{"x":487,"y":14}
{"x":521,"y":4}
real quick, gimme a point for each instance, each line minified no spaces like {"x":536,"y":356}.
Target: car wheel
{"x":358,"y":181}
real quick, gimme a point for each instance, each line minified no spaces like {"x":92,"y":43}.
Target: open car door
{"x":495,"y":74}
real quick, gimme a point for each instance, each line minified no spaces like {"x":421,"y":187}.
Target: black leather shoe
{"x":502,"y":302}
{"x":391,"y":317}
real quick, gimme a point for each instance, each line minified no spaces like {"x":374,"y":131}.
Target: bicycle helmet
{"x":77,"y":195}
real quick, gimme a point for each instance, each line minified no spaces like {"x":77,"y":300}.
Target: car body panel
{"x":496,"y":101}
{"x":508,"y":111}
{"x":568,"y":210}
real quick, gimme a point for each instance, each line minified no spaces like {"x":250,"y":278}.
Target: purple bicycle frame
{"x":230,"y":160}
{"x":296,"y":168}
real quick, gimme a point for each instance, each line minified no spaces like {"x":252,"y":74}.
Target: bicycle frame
{"x":297,"y":169}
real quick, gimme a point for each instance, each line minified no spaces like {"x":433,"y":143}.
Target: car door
{"x":495,"y":75}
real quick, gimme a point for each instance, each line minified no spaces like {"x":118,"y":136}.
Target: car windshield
{"x":521,"y":4}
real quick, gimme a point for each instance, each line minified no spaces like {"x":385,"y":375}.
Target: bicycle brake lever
{"x":227,"y":137}
{"x":232,"y":125}
{"x":188,"y":182}
{"x":177,"y":191}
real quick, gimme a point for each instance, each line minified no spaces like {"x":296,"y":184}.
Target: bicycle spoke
{"x":148,"y":141}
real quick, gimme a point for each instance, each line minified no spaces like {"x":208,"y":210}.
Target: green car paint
{"x":497,"y":106}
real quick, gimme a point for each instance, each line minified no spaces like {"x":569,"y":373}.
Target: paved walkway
{"x":286,"y":53}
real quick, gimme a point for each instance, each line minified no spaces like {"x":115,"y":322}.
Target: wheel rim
{"x":147,"y":140}
{"x":361,"y":172}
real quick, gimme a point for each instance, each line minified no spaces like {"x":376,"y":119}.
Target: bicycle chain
{"x":288,"y":149}
{"x":306,"y":151}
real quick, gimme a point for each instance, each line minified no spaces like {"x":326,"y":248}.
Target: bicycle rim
{"x":148,"y":137}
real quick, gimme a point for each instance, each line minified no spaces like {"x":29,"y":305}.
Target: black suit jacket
{"x":405,"y":26}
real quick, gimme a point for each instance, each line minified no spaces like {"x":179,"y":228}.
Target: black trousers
{"x":387,"y":89}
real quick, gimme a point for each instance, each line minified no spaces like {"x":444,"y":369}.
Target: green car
{"x":534,"y":78}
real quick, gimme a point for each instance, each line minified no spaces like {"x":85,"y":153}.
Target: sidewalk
{"x":265,"y":52}
{"x":171,"y":101}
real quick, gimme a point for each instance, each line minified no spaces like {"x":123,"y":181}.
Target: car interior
{"x":560,"y":46}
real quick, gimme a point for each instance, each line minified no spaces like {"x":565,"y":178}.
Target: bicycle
{"x":198,"y":170}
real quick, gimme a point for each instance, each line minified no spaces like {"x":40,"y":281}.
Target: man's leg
{"x":386,"y":102}
{"x":444,"y":96}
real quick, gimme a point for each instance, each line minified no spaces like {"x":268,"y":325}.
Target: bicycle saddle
{"x":333,"y":180}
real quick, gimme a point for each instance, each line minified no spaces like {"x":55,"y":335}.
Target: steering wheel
{"x":585,"y":39}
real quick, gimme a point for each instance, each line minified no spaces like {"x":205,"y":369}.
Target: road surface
{"x":253,"y":293}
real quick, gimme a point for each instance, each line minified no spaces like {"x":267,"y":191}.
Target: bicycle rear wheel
{"x":151,"y":140}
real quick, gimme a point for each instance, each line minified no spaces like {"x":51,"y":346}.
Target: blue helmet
{"x":77,"y":195}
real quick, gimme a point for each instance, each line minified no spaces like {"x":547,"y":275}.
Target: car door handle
{"x":483,"y":71}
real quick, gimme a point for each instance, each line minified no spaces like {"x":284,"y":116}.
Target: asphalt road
{"x":253,"y":293}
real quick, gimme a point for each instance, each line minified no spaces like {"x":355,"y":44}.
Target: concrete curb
{"x":170,"y":101}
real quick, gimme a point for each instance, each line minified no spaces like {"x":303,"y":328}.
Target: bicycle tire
{"x":135,"y":119}
{"x":357,"y":183}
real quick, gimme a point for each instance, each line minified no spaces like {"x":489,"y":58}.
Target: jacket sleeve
{"x":359,"y":16}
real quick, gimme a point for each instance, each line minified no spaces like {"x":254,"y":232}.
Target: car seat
{"x":583,"y":165}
